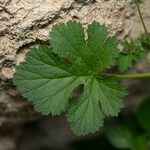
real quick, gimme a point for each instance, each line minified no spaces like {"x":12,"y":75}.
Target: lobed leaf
{"x":48,"y":81}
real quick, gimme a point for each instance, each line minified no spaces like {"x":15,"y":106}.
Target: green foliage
{"x":128,"y":133}
{"x":48,"y":80}
{"x":122,"y":136}
{"x":133,"y":51}
{"x":144,"y":114}
{"x":145,"y":41}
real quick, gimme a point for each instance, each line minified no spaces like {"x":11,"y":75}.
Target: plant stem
{"x":142,"y":20}
{"x":130,"y":76}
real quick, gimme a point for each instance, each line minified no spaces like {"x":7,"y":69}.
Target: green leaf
{"x":124,"y":62}
{"x":145,"y":41}
{"x":119,"y":136}
{"x":134,"y":51}
{"x":48,"y":80}
{"x":143,"y":114}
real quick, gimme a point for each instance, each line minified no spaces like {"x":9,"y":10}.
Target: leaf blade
{"x":48,"y":81}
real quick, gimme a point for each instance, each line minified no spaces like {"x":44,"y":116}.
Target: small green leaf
{"x":134,"y":51}
{"x":124,"y":62}
{"x":48,"y":80}
{"x":145,"y":41}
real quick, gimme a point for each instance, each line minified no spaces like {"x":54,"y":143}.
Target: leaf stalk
{"x":129,"y":76}
{"x":141,"y":17}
